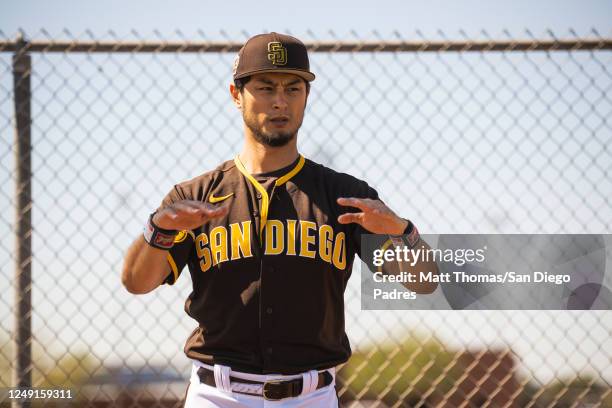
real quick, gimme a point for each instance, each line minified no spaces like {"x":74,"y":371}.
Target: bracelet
{"x":411,"y":235}
{"x":408,"y":238}
{"x":158,"y":237}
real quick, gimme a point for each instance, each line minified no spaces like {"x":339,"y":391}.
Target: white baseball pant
{"x":224,"y":395}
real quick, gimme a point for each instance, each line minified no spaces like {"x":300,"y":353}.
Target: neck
{"x":259,"y":158}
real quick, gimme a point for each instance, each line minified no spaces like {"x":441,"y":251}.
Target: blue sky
{"x":320,"y":16}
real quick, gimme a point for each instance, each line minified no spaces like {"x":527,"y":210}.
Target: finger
{"x":350,"y":218}
{"x":165,"y":218}
{"x":191,"y":208}
{"x":361,"y":203}
{"x":199,"y":205}
{"x":185,"y":207}
{"x":214,"y":212}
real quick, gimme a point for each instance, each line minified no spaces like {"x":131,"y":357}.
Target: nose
{"x":280,"y":100}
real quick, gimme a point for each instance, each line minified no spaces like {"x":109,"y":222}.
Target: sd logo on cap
{"x":273,"y":52}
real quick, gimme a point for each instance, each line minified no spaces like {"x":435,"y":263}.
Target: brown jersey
{"x":269,"y":278}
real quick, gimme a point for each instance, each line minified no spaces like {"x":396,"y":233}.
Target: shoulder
{"x":343,"y":184}
{"x":196,"y":188}
{"x":329,"y":173}
{"x":223,"y":170}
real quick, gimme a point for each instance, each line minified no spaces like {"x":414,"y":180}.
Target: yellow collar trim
{"x":292,"y":172}
{"x":265,"y":199}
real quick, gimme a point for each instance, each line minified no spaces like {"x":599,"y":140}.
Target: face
{"x":272,"y":107}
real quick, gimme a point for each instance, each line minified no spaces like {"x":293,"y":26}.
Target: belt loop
{"x":332,"y":371}
{"x":310,"y":380}
{"x":222,"y":378}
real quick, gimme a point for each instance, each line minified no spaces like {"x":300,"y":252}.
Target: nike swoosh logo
{"x":214,"y":199}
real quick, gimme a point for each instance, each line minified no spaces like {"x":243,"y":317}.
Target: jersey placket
{"x":266,"y":307}
{"x":265,"y":195}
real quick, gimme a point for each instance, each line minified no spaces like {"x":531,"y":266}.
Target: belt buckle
{"x":268,"y":393}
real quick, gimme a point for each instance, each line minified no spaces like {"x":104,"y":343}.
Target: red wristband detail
{"x":158,"y":237}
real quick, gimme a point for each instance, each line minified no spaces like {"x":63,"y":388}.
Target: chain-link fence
{"x":461,"y":136}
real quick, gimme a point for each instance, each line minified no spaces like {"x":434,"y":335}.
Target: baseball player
{"x":269,"y":238}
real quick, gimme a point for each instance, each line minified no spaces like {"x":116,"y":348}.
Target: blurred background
{"x":471,"y":141}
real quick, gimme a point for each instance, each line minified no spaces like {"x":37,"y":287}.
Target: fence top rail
{"x":578,"y":44}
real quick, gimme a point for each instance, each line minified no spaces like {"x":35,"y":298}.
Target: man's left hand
{"x":375,"y":216}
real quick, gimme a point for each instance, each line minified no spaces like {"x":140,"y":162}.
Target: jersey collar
{"x":265,"y":199}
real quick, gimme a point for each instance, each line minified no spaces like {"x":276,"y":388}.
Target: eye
{"x":265,"y":88}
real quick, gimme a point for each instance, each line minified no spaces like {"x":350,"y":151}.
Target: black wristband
{"x":411,"y":235}
{"x":158,"y":237}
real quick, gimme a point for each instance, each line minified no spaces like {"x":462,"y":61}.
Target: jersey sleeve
{"x":179,"y":255}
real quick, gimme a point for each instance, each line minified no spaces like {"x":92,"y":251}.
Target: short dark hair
{"x":241,"y":82}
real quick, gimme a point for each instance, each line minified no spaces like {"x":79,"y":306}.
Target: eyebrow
{"x":270,"y":82}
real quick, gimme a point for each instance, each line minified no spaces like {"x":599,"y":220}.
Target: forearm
{"x":412,"y":260}
{"x":144,"y":267}
{"x":420,"y":266}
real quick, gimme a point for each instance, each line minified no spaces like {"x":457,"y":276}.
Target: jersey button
{"x":258,"y":195}
{"x":269,"y":310}
{"x":255,"y":213}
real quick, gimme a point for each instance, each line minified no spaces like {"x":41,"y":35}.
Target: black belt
{"x":273,"y":390}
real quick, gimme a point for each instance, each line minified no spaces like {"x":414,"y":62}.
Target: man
{"x":269,"y":238}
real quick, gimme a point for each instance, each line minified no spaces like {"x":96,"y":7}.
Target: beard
{"x":271,"y":138}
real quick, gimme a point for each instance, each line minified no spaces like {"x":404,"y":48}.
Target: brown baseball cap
{"x":273,"y":52}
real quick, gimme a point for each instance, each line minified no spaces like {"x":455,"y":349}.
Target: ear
{"x":236,"y":96}
{"x":306,"y":97}
{"x":307,"y":86}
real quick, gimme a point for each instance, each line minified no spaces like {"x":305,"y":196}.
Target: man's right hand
{"x":145,"y":267}
{"x":187,"y":215}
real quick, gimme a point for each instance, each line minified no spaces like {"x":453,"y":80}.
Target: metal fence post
{"x":22,"y":340}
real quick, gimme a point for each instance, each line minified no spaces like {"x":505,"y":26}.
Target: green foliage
{"x":405,"y":372}
{"x":577,"y":391}
{"x":417,"y":372}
